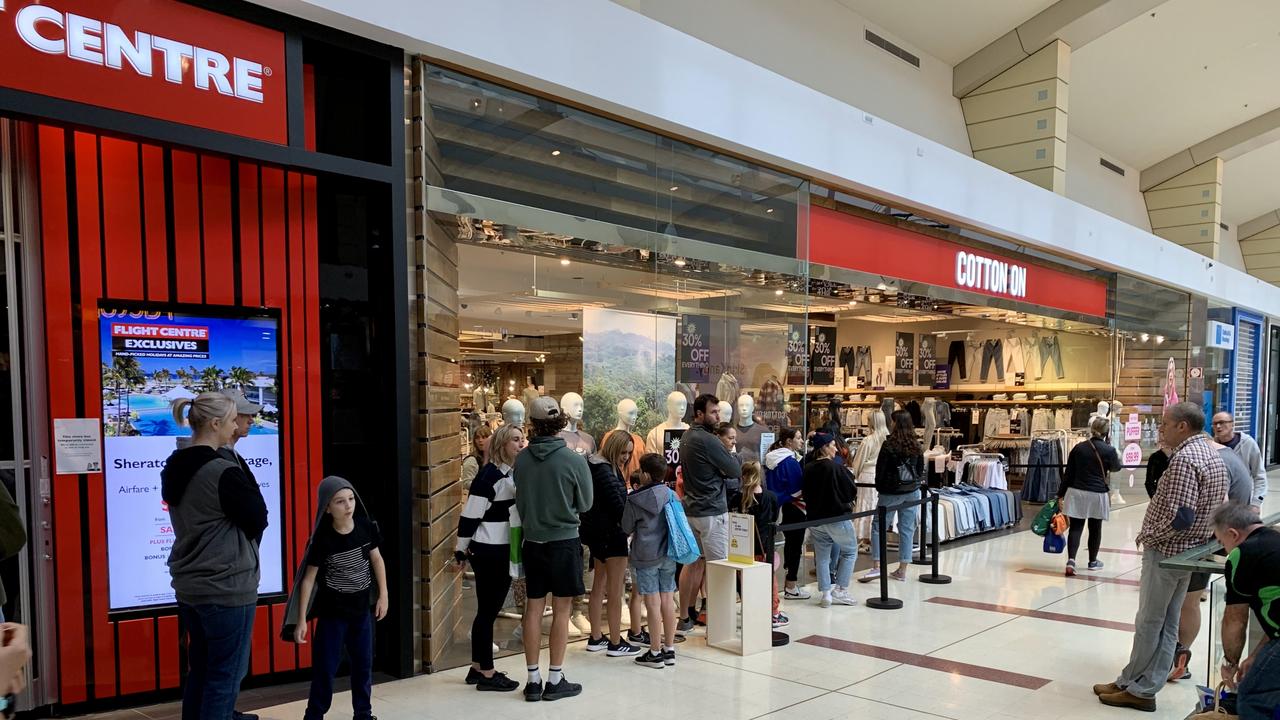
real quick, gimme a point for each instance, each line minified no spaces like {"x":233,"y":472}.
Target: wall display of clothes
{"x":1000,"y":358}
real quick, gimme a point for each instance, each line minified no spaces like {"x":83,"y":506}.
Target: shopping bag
{"x":1040,"y":525}
{"x":1058,"y":524}
{"x":682,"y":546}
{"x":1054,"y":544}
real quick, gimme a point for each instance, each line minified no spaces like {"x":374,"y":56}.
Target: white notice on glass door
{"x":77,"y":445}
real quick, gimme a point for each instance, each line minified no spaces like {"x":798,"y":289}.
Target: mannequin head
{"x":726,"y":411}
{"x":676,"y":407}
{"x":746,"y":406}
{"x":513,"y":413}
{"x":1104,"y":409}
{"x":627,"y":413}
{"x":571,"y":403}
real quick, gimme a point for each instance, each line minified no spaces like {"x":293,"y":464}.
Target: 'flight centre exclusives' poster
{"x":150,"y":359}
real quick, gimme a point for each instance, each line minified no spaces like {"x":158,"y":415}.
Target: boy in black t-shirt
{"x":344,"y":568}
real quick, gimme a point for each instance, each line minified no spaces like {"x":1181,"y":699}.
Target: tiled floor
{"x":998,"y":642}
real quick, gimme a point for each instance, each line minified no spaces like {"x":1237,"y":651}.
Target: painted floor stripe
{"x":1079,"y":576}
{"x":1027,"y":612}
{"x":1003,"y":677}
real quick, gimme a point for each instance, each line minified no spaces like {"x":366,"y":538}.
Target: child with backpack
{"x":652,"y":569}
{"x":343,"y":572}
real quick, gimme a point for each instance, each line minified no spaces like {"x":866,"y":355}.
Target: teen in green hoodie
{"x":553,"y":487}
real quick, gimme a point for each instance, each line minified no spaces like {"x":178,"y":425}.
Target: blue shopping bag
{"x":682,"y":546}
{"x":1054,"y":543}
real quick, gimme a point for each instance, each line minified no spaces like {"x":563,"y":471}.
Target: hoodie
{"x":601,"y":524}
{"x":828,"y":489}
{"x":295,"y":608}
{"x":783,"y":475}
{"x":553,"y":487}
{"x":646,"y":521}
{"x":218,"y":517}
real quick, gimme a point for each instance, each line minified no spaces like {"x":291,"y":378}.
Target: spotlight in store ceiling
{"x":680,"y":262}
{"x":675,"y":188}
{"x":555,"y":153}
{"x":580,"y":339}
{"x":778,"y":291}
{"x":1159,"y":339}
{"x":1145,"y":337}
{"x":769,"y":210}
{"x":564,"y":261}
{"x":853,"y":302}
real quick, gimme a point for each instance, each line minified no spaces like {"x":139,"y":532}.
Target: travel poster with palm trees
{"x":149,"y":361}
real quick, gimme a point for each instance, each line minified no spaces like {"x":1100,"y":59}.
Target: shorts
{"x":1199,"y":581}
{"x":712,"y":533}
{"x":660,"y":578}
{"x":553,"y":567}
{"x":602,"y":549}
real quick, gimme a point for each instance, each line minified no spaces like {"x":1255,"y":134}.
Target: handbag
{"x":1054,"y":543}
{"x":1106,"y":476}
{"x":1058,"y":524}
{"x":682,"y":545}
{"x":908,"y":479}
{"x":1220,"y":701}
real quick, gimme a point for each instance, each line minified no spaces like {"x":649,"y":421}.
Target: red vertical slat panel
{"x":315,"y":421}
{"x":122,"y":219}
{"x":153,"y":192}
{"x":297,"y":360}
{"x":260,"y":659}
{"x":170,"y":675}
{"x":274,"y":272}
{"x":186,"y":228}
{"x":90,"y":254}
{"x":219,"y":264}
{"x":250,"y":246}
{"x":137,"y":656}
{"x":283,"y":649}
{"x":67,"y":546}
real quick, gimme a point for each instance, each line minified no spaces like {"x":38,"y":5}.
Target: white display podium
{"x":757,"y":606}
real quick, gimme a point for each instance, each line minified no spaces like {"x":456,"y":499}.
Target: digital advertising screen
{"x":151,"y":358}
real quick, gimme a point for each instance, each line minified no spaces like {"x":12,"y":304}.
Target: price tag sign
{"x":741,"y":538}
{"x":1132,"y":454}
{"x":766,"y":442}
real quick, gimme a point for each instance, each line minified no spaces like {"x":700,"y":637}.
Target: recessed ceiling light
{"x":680,"y":262}
{"x":1159,"y":339}
{"x":778,"y":291}
{"x":564,"y":261}
{"x":853,"y":302}
{"x":769,"y":210}
{"x":675,"y":188}
{"x":554,"y":153}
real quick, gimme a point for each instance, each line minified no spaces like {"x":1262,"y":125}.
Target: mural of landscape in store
{"x":626,"y":355}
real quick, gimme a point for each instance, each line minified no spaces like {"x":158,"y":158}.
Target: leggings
{"x":1095,"y":537}
{"x":793,"y":549}
{"x":493,"y":579}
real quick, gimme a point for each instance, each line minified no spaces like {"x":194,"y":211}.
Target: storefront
{"x":195,"y":197}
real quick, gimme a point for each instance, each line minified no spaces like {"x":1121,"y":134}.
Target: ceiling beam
{"x":1266,"y":221}
{"x":1229,"y":144}
{"x":1075,"y":22}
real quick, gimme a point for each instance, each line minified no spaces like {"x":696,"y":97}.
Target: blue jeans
{"x":908,"y":511}
{"x":331,"y":636}
{"x":1260,"y":690}
{"x":218,"y":639}
{"x":837,"y":541}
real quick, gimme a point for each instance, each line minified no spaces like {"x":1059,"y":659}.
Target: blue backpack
{"x":682,"y":546}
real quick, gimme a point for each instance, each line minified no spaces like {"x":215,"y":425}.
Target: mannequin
{"x":483,"y":399}
{"x":749,"y":431}
{"x":726,"y":411}
{"x":628,"y":413}
{"x":576,"y":438}
{"x":676,"y":407}
{"x":513,"y":412}
{"x":1118,"y":442}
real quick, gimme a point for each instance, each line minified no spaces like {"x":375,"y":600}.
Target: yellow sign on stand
{"x":742,"y":532}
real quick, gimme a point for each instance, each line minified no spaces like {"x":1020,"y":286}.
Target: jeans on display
{"x":992,"y":352}
{"x":1044,"y":476}
{"x":1155,"y":637}
{"x":332,"y":635}
{"x":1051,"y":349}
{"x":218,"y":640}
{"x":907,"y":510}
{"x":955,"y":357}
{"x":1259,"y":692}
{"x":862,"y":361}
{"x":1014,"y":360}
{"x":492,"y":580}
{"x":834,"y":540}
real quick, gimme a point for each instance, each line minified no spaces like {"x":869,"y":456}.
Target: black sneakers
{"x":562,"y":689}
{"x":532,"y":692}
{"x":669,"y":657}
{"x":641,"y":638}
{"x":474,"y":676}
{"x":651,"y":659}
{"x":597,"y":644}
{"x":622,"y":649}
{"x":498,"y":683}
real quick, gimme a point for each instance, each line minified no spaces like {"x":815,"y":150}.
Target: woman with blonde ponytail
{"x":218,"y":516}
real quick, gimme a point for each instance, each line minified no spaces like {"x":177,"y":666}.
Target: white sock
{"x":534,"y":675}
{"x":556,"y":675}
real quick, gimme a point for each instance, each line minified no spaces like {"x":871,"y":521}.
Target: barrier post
{"x":933,"y":578}
{"x":921,"y":528}
{"x":884,"y":602}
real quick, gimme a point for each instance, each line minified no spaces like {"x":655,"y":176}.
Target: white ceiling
{"x":1251,"y":185}
{"x":950,"y":30}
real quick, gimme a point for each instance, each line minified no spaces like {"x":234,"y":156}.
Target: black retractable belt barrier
{"x":922,"y":524}
{"x":933,"y":578}
{"x":884,"y":602}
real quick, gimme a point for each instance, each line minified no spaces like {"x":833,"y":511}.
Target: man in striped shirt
{"x":1177,"y":519}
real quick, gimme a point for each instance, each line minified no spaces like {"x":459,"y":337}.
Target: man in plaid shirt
{"x":1177,"y":519}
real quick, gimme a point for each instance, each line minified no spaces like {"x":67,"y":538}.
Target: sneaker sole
{"x":532,"y":698}
{"x":596,"y":649}
{"x":551,"y":697}
{"x":652,"y":666}
{"x":622,"y":654}
{"x":488,"y":688}
{"x":865,"y":579}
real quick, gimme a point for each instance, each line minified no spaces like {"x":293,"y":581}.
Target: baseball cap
{"x":243,"y":406}
{"x":544,"y":408}
{"x":821,"y":440}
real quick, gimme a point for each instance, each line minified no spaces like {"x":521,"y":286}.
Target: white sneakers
{"x":836,"y":596}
